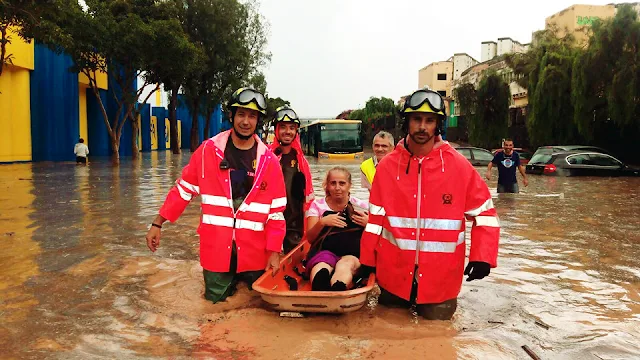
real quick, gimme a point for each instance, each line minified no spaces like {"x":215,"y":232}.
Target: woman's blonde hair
{"x":335,"y":168}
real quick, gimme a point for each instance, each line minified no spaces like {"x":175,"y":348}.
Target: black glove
{"x":362,"y":275}
{"x":477,"y":270}
{"x":364,"y":271}
{"x":367,"y":270}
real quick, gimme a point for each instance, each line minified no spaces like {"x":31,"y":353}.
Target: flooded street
{"x":77,"y":280}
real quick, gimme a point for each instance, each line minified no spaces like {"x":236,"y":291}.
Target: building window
{"x":443,"y":93}
{"x":442,"y":76}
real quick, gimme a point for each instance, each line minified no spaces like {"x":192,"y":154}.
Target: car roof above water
{"x":572,"y":148}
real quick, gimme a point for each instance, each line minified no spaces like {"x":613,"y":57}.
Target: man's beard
{"x":414,"y":140}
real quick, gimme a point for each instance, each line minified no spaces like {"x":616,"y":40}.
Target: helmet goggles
{"x":287,"y":115}
{"x":247,"y":96}
{"x":418,"y":99}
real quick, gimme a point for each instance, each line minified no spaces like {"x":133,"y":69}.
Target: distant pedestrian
{"x":507,"y":161}
{"x":82,"y":151}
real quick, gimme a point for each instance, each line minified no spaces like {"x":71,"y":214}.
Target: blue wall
{"x":215,"y":124}
{"x":112,"y":110}
{"x":55,"y":114}
{"x":185,"y":118}
{"x":161,"y":113}
{"x":225,"y":124}
{"x":99,"y":141}
{"x":54,"y":106}
{"x":145,"y":125}
{"x":216,"y":121}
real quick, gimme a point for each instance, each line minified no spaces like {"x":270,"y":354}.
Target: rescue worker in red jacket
{"x":243,"y":197}
{"x":296,"y":171}
{"x":415,"y":238}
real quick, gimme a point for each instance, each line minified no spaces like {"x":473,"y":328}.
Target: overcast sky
{"x":332,"y":55}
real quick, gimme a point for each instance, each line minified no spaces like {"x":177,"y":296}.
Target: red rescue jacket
{"x":258,"y":226}
{"x":422,"y":222}
{"x":303,"y":166}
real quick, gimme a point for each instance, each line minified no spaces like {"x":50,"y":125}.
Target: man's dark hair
{"x":508,"y":139}
{"x":81,"y":140}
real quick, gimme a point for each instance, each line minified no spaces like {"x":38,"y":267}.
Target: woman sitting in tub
{"x":334,"y":229}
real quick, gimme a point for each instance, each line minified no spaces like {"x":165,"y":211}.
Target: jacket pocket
{"x":215,"y":247}
{"x":394,"y":269}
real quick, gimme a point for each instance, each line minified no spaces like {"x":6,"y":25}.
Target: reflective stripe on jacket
{"x":258,"y":226}
{"x":422,"y":221}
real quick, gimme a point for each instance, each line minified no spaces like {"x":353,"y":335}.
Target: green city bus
{"x":332,"y":139}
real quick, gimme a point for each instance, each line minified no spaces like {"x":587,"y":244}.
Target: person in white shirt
{"x":82,"y":151}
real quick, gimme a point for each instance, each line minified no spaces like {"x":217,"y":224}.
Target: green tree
{"x":357,"y":114}
{"x":467,"y":99}
{"x":272,"y":105}
{"x":546,"y":70}
{"x":22,"y":18}
{"x":233,"y":36}
{"x":606,"y":83}
{"x":119,"y":38}
{"x":488,"y":124}
{"x":378,"y":114}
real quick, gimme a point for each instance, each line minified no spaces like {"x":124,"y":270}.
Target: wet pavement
{"x":77,"y":280}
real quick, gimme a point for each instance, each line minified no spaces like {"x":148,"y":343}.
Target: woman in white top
{"x":334,"y":228}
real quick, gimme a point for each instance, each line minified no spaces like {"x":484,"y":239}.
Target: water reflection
{"x":76,"y":279}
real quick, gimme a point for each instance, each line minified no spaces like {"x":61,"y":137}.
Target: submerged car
{"x":476,"y":156}
{"x":581,"y":163}
{"x":543,"y":153}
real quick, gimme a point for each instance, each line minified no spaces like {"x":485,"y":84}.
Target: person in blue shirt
{"x":507,"y":161}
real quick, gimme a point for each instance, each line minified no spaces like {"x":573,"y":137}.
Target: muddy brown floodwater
{"x":78,"y":282}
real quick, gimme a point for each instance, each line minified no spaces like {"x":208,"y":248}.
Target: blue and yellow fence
{"x":44,"y":109}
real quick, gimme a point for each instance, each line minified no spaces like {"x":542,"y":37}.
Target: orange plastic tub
{"x":275,"y":290}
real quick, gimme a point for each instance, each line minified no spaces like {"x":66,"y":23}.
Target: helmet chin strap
{"x":406,"y":145}
{"x":240,"y":136}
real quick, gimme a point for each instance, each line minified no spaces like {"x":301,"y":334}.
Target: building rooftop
{"x":465,"y":54}
{"x":435,"y":63}
{"x":490,"y":62}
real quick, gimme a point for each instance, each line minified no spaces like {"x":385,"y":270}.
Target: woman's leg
{"x":345,"y":269}
{"x":321,"y":277}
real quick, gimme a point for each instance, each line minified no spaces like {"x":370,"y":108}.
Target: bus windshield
{"x":336,"y":138}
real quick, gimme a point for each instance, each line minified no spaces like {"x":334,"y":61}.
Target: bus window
{"x":336,"y":138}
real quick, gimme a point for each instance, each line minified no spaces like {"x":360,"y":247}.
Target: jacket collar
{"x":220,"y":142}
{"x":438,"y":145}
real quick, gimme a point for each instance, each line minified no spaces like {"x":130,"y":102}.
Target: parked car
{"x":543,"y":153}
{"x":581,"y":163}
{"x":525,"y":155}
{"x":476,"y":156}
